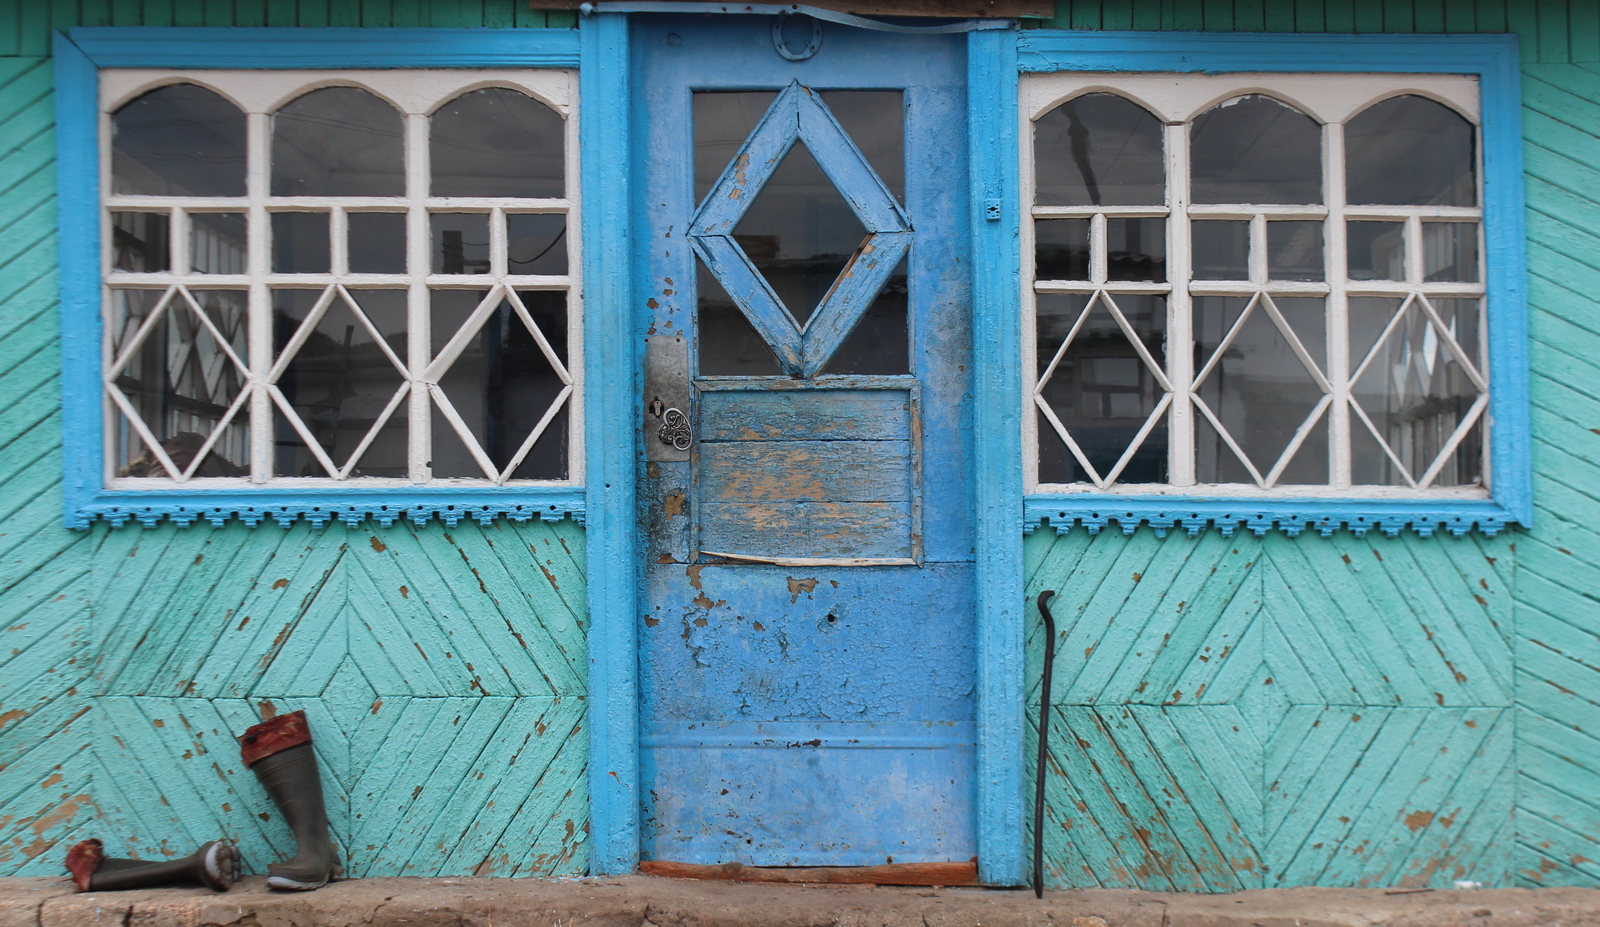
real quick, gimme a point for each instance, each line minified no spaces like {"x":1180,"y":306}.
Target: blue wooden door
{"x":807,"y":649}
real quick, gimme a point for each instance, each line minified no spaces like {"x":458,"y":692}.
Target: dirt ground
{"x":642,"y":901}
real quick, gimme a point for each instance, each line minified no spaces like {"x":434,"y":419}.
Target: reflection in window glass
{"x":1294,"y":251}
{"x":1377,"y":250}
{"x":1450,"y":252}
{"x":300,"y":243}
{"x":339,"y":382}
{"x":1259,"y":389}
{"x":181,"y":383}
{"x":536,"y":244}
{"x":377,"y":242}
{"x":1415,"y":392}
{"x":1221,"y":249}
{"x":338,"y":141}
{"x":140,"y":242}
{"x":1410,"y":151}
{"x":496,"y":142}
{"x":879,"y":345}
{"x":1061,"y":249}
{"x":1100,"y":389}
{"x":180,"y":140}
{"x":460,"y":243}
{"x":217,"y":242}
{"x":728,"y":345}
{"x":1253,"y":149}
{"x":501,"y":385}
{"x":1136,"y":249}
{"x":1099,"y":149}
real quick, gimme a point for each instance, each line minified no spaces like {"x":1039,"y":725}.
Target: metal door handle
{"x":675,"y":429}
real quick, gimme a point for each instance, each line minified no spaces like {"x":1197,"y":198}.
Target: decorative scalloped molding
{"x":1291,"y":516}
{"x":387,"y":508}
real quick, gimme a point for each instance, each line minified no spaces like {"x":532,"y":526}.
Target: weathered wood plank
{"x":817,"y":471}
{"x":805,"y":415}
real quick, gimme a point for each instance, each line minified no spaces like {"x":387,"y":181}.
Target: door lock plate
{"x":667,"y":435}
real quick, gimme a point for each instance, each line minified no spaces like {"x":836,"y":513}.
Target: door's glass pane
{"x":217,"y":242}
{"x":799,"y":232}
{"x":1253,"y":149}
{"x":340,"y":379}
{"x":1098,"y":150}
{"x":1221,"y":249}
{"x":377,"y":242}
{"x":536,"y":244}
{"x":338,"y":141}
{"x":496,"y":142}
{"x":1377,"y":250}
{"x":460,"y":243}
{"x":1450,"y":252}
{"x":1100,"y":389}
{"x":875,"y":121}
{"x":1061,"y":249}
{"x":180,"y":140}
{"x":879,"y":343}
{"x":1136,"y":249}
{"x":1294,"y":251}
{"x":722,"y":121}
{"x":300,"y":243}
{"x":140,"y":242}
{"x":1410,"y":151}
{"x":728,"y":345}
{"x":1260,"y":390}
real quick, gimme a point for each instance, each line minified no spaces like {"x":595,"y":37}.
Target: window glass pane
{"x":182,"y":383}
{"x":1221,"y":249}
{"x":340,"y":380}
{"x":217,"y":243}
{"x":1136,"y":249}
{"x":377,"y":242}
{"x":722,"y":121}
{"x":879,"y":345}
{"x":1260,"y":389}
{"x":338,"y":141}
{"x":501,"y":385}
{"x":180,"y":140}
{"x":1098,"y":387}
{"x":537,"y":244}
{"x":300,"y":243}
{"x":496,"y":142}
{"x":875,"y":121}
{"x":1294,"y":251}
{"x":1377,"y":250}
{"x":1415,"y":392}
{"x":1098,"y":150}
{"x":1410,"y":151}
{"x":140,"y":242}
{"x":1450,"y":252}
{"x":1254,"y":149}
{"x":1061,"y":249}
{"x":728,"y":345}
{"x":460,"y":243}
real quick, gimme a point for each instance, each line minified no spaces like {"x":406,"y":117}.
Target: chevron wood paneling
{"x":1256,"y":712}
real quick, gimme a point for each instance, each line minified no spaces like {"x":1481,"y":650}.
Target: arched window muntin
{"x":275,"y":302}
{"x":1323,"y":315}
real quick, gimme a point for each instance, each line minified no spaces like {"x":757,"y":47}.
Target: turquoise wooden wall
{"x":129,"y":657}
{"x":1433,"y":709}
{"x":1428,"y":718}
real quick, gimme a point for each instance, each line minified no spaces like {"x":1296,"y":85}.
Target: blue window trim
{"x":78,"y":59}
{"x":1493,"y":59}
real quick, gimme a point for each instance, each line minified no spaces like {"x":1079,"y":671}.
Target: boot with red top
{"x":278,"y":751}
{"x":215,"y":865}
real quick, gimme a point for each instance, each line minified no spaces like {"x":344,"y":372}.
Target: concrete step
{"x":642,"y":901}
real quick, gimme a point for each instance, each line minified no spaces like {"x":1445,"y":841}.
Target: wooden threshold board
{"x":889,"y":874}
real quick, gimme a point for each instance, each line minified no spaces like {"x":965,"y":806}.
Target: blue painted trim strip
{"x":176,"y":47}
{"x":997,"y":457}
{"x":319,"y":506}
{"x":1494,"y":60}
{"x":1291,"y":516}
{"x":610,"y":438}
{"x":78,"y":237}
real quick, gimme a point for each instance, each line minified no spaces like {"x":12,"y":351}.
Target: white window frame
{"x":1176,"y":99}
{"x":417,"y":94}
